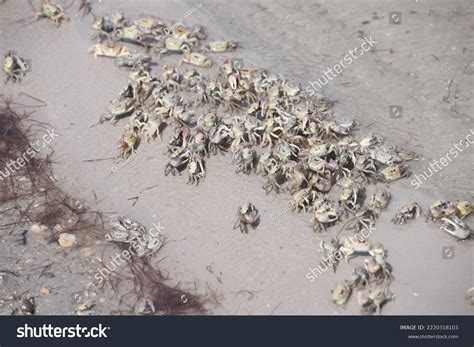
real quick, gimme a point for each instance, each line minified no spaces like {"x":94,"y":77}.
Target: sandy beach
{"x":424,"y":66}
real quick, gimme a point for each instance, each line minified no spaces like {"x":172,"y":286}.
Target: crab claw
{"x":456,"y":227}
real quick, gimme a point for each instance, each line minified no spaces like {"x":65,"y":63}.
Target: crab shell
{"x":340,"y":294}
{"x":108,"y":50}
{"x":456,"y":227}
{"x":394,"y":172}
{"x":221,"y":46}
{"x":196,"y":59}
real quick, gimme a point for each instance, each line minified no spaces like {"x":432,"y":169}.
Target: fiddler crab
{"x":410,"y":211}
{"x":129,"y":143}
{"x":247,"y":215}
{"x":52,"y":11}
{"x":196,"y":170}
{"x":244,"y":158}
{"x":374,"y":301}
{"x":394,"y":172}
{"x":379,"y":200}
{"x":177,"y":45}
{"x":325,"y":214}
{"x":196,"y":59}
{"x":350,"y":198}
{"x":127,"y":230}
{"x":447,"y":209}
{"x":341,"y":293}
{"x":378,"y":269}
{"x":222,"y":46}
{"x":109,"y":50}
{"x":451,"y":215}
{"x":14,"y":67}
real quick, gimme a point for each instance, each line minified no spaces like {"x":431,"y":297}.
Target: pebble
{"x":68,"y":240}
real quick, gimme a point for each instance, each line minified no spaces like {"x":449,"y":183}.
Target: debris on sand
{"x":31,"y":199}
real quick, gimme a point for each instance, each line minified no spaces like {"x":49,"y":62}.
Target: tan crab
{"x":394,"y":172}
{"x":110,"y":50}
{"x":341,"y":293}
{"x":196,"y":170}
{"x":222,"y":46}
{"x":379,"y":200}
{"x":52,"y":11}
{"x":196,"y":59}
{"x":247,"y":215}
{"x":410,"y":211}
{"x":14,"y":67}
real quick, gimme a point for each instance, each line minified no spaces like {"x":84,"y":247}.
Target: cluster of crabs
{"x":272,"y":129}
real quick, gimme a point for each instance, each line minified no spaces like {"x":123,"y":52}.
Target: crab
{"x":359,"y":278}
{"x":350,"y":197}
{"x":410,"y":211}
{"x":364,"y":219}
{"x":200,"y":142}
{"x":196,"y":169}
{"x":456,"y":227}
{"x":394,"y":172}
{"x":253,"y":130}
{"x":121,"y":108}
{"x":378,"y":269}
{"x":304,"y":200}
{"x":152,"y":129}
{"x":176,"y":163}
{"x":244,"y":158}
{"x":354,"y":247}
{"x":296,"y":177}
{"x":375,"y":300}
{"x":132,"y":59}
{"x":441,"y":209}
{"x":177,"y":45}
{"x":463,"y":209}
{"x":273,"y":170}
{"x":368,"y":142}
{"x":125,"y":229}
{"x":219,"y":138}
{"x":379,"y":201}
{"x":365,"y":167}
{"x":330,"y":248}
{"x":222,"y":46}
{"x":110,"y":50}
{"x":247,"y":215}
{"x":52,"y":11}
{"x":14,"y":67}
{"x":129,"y":143}
{"x":341,"y":293}
{"x":324,"y":214}
{"x":196,"y":59}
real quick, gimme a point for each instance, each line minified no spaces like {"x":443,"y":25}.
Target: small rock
{"x":44,"y":290}
{"x":68,"y":240}
{"x":38,"y":228}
